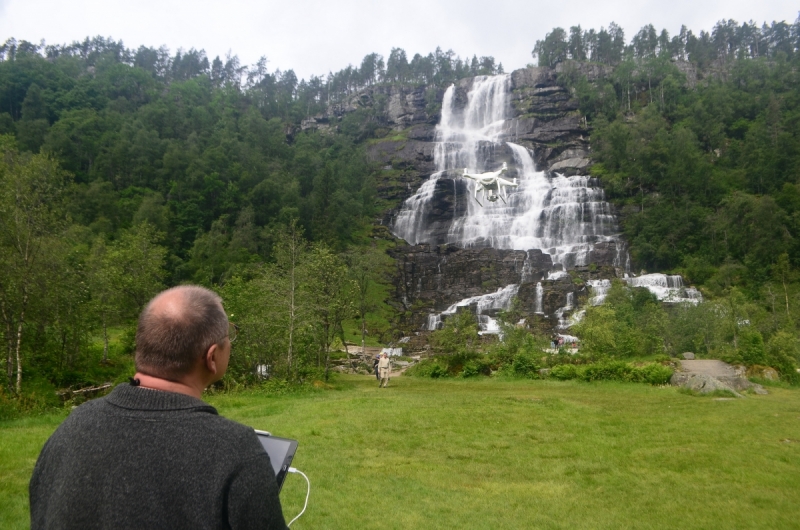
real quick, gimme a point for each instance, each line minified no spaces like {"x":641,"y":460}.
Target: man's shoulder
{"x":231,"y":429}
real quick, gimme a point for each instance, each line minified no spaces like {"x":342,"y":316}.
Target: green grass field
{"x":508,"y":454}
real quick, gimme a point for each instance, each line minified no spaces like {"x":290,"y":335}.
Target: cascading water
{"x":464,"y":139}
{"x":485,"y":305}
{"x":539,"y":297}
{"x":562,"y":216}
{"x":667,"y":288}
{"x":599,"y":290}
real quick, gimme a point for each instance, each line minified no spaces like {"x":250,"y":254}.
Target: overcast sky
{"x":318,"y":36}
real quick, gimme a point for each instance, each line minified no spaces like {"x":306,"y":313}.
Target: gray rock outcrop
{"x":706,"y":376}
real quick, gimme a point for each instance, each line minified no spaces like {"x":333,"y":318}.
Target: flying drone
{"x":491,"y":184}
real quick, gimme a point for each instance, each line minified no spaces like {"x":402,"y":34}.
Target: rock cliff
{"x":544,"y":117}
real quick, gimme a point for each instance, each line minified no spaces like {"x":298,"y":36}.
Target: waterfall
{"x":562,"y":216}
{"x":539,"y":297}
{"x":485,"y":305}
{"x":527,"y":271}
{"x":563,"y":322}
{"x":599,"y":290}
{"x":667,"y":288}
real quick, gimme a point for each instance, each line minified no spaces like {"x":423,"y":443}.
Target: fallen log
{"x":91,"y":391}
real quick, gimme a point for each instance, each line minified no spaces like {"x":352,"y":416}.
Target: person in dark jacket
{"x":152,"y":454}
{"x":375,"y":367}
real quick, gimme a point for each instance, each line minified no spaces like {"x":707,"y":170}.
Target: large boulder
{"x":707,"y":375}
{"x":705,"y":384}
{"x":763,"y":372}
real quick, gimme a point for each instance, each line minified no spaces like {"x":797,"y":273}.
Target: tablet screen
{"x":281,"y":452}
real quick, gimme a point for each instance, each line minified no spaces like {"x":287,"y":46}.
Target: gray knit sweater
{"x":141,"y":458}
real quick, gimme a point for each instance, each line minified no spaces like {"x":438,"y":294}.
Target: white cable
{"x":308,"y":492}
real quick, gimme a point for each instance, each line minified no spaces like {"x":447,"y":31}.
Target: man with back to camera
{"x":151,"y":454}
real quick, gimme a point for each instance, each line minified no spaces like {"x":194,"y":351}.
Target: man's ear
{"x":211,"y":358}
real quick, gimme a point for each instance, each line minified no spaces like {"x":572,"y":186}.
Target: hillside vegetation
{"x":125,"y":171}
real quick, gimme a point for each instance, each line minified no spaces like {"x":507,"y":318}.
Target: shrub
{"x":564,"y":372}
{"x":781,"y":352}
{"x":609,"y":371}
{"x":656,"y":374}
{"x":428,"y":368}
{"x":471,"y":369}
{"x":751,"y":347}
{"x":524,"y":365}
{"x":438,"y":371}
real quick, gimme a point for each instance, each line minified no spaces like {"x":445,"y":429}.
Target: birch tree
{"x":31,"y":191}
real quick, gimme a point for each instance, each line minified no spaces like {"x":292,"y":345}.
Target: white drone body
{"x":491,"y":184}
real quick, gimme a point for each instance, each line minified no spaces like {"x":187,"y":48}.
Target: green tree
{"x":291,"y":251}
{"x":366,"y":267}
{"x":553,"y":49}
{"x":330,"y":294}
{"x":459,"y":335}
{"x":31,"y":217}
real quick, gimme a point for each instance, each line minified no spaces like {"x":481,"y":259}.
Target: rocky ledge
{"x":707,"y":376}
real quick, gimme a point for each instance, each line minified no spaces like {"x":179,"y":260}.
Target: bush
{"x":564,"y":372}
{"x":428,"y":368}
{"x":524,"y":364}
{"x":471,"y":369}
{"x":781,"y":352}
{"x":656,"y":374}
{"x":609,"y":371}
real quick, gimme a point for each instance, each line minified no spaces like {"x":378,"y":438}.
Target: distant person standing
{"x":385,"y":368}
{"x":375,"y":367}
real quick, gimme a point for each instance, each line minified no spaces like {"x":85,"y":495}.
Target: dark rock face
{"x":401,"y":107}
{"x":429,"y":278}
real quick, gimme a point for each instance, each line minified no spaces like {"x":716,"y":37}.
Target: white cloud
{"x":314,"y":37}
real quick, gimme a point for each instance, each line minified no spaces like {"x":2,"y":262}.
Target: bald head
{"x":176,"y":329}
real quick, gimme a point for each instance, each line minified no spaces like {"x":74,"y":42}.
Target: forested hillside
{"x":698,"y":139}
{"x":125,"y":171}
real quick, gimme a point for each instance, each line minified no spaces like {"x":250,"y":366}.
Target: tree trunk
{"x":9,"y":334}
{"x":363,"y":334}
{"x":19,"y":340}
{"x":19,"y":360}
{"x":786,"y":295}
{"x":292,"y":311}
{"x":9,"y":354}
{"x":327,"y":346}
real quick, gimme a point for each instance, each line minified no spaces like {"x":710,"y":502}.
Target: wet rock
{"x":571,"y":166}
{"x":429,"y":278}
{"x":402,"y":154}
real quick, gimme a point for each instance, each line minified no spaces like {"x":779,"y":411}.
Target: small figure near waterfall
{"x":385,"y":368}
{"x":491,"y":184}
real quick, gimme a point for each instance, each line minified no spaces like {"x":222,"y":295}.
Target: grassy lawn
{"x":516,"y":454}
